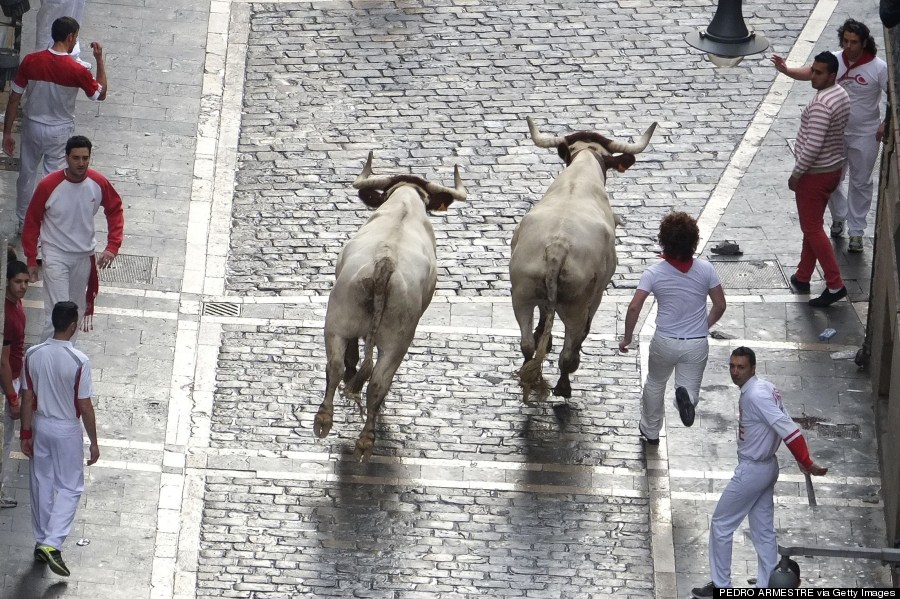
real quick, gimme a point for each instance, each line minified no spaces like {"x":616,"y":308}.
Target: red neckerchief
{"x":866,"y":57}
{"x":680,"y":265}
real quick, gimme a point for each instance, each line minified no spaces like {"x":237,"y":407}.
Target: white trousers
{"x":749,"y":493}
{"x":687,"y":358}
{"x":853,"y":205}
{"x":9,"y":426}
{"x":57,"y":478}
{"x":65,"y":277}
{"x":39,"y":143}
{"x":50,"y":11}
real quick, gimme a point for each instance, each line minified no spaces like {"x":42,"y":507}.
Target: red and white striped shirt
{"x":820,"y":141}
{"x":62,"y":214}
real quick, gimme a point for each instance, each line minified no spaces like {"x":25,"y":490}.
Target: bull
{"x":563,"y":251}
{"x":385,"y":279}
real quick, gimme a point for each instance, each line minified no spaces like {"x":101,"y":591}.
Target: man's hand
{"x":97,"y":50}
{"x":9,"y":145}
{"x":95,"y":454}
{"x":28,"y":447}
{"x":792,"y":182}
{"x":105,"y":259}
{"x":779,"y":63}
{"x":624,"y":342}
{"x":33,"y":274}
{"x":815,"y":470}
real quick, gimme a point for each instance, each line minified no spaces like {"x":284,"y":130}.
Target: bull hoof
{"x":364,"y":446}
{"x":322,"y":424}
{"x":563,"y":389}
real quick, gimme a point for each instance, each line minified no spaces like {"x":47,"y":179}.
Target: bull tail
{"x":384,"y":269}
{"x":531,"y":373}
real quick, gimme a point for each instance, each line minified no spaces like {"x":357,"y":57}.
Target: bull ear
{"x":373,"y":198}
{"x":620,"y":222}
{"x":621,"y":162}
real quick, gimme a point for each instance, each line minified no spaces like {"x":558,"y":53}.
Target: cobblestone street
{"x":234,"y":130}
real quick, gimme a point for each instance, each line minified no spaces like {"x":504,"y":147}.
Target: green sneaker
{"x":39,"y":555}
{"x":54,"y":559}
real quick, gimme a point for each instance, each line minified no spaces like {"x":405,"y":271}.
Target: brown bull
{"x":385,"y":279}
{"x":563,"y":251}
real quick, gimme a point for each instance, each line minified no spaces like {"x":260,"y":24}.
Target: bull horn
{"x":542,"y":140}
{"x":632,"y":148}
{"x":459,"y":191}
{"x":365,"y":180}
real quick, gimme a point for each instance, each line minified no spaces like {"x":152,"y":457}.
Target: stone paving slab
{"x":430,"y":86}
{"x":348,"y":539}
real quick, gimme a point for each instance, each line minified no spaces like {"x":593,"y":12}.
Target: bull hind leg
{"x":530,"y":376}
{"x":570,"y":357}
{"x":335,"y":348}
{"x":376,"y":391}
{"x":539,"y":330}
{"x":351,"y":359}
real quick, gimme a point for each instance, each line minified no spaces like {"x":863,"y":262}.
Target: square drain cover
{"x":750,"y":274}
{"x":127,"y":268}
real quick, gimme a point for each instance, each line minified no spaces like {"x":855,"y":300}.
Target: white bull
{"x":385,"y":279}
{"x":563,"y":251}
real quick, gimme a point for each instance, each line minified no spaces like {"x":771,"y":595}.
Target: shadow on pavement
{"x":32,"y":581}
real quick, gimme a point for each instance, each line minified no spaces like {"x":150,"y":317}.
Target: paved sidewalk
{"x":233,"y":129}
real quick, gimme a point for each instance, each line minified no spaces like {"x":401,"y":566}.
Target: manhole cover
{"x":750,"y":274}
{"x":221,"y":309}
{"x":127,"y":268}
{"x":838,"y":431}
{"x":8,"y":163}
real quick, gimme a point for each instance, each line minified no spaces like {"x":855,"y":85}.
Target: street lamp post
{"x":727,"y":40}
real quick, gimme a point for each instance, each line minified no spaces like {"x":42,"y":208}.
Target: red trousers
{"x":812,"y":195}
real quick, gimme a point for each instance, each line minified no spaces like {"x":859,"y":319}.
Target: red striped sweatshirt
{"x":820,"y":141}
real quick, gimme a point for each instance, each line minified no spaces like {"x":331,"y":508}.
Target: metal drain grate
{"x":128,"y":268}
{"x":221,"y":309}
{"x":750,"y":274}
{"x":8,"y":163}
{"x":838,"y":431}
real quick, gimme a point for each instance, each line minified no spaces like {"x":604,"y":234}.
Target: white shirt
{"x":763,"y":421}
{"x":681,"y":297}
{"x":58,"y":374}
{"x":864,"y":83}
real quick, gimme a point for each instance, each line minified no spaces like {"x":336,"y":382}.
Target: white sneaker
{"x":856,"y":244}
{"x":837,"y":229}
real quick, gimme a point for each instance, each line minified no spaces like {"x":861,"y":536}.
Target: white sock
{"x":830,"y":290}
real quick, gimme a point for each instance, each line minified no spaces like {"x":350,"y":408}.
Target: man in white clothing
{"x":51,"y":433}
{"x":61,"y":214}
{"x":763,"y":424}
{"x":681,"y":285}
{"x":49,"y":81}
{"x":51,"y":10}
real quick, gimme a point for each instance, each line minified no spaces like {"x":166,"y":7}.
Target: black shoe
{"x":54,"y":559}
{"x":707,"y":590}
{"x":685,"y":406}
{"x":800,"y":286}
{"x":647,"y":439}
{"x":827,"y":298}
